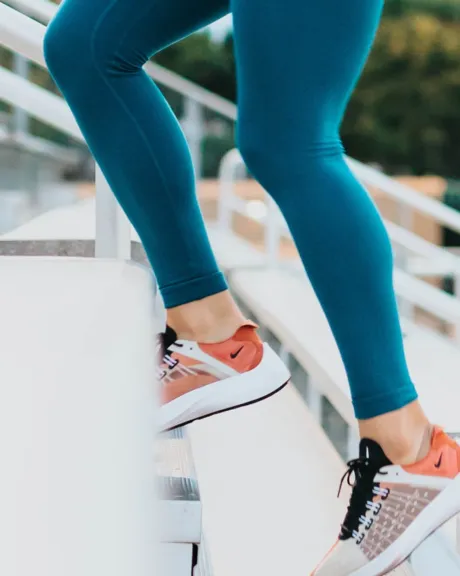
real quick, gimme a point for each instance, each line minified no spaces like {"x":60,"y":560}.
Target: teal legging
{"x":297,"y":63}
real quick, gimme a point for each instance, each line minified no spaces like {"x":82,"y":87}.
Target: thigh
{"x":298,"y":62}
{"x":135,"y":28}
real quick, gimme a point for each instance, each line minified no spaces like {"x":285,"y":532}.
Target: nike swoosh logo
{"x":233,"y":355}
{"x":438,"y":463}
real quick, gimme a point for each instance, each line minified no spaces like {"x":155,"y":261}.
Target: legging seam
{"x":125,"y":108}
{"x":381,"y":395}
{"x":196,"y":279}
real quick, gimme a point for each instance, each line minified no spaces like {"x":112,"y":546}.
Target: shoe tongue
{"x":370,"y":450}
{"x":168,"y":337}
{"x":164,"y":341}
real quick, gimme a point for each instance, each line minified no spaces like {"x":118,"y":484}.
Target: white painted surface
{"x":181,"y":521}
{"x":436,"y":556}
{"x":233,"y":252}
{"x":77,"y":409}
{"x":268,"y":478}
{"x":427,"y":297}
{"x":44,"y":10}
{"x":113,"y":229}
{"x":75,"y":222}
{"x":176,"y":559}
{"x":41,"y":9}
{"x":78,"y":222}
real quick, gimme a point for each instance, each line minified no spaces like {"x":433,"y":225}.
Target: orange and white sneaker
{"x":199,"y":380}
{"x":393,"y":508}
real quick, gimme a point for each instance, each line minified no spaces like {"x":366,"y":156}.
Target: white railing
{"x":433,"y":259}
{"x":45,"y":10}
{"x":21,"y":34}
{"x":35,"y":144}
{"x":195,"y":96}
{"x":40,"y":9}
{"x":25,"y":36}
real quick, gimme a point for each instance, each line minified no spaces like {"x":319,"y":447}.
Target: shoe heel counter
{"x":242,"y":352}
{"x":248,"y":334}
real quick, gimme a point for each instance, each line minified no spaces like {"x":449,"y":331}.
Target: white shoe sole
{"x":269,"y":377}
{"x":444,"y":507}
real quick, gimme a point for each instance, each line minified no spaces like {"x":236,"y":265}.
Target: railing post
{"x":352,"y":443}
{"x":284,"y":354}
{"x":457,"y":530}
{"x":113,"y":230}
{"x":314,"y":400}
{"x":20,"y":118}
{"x":272,"y":232}
{"x":456,"y":279}
{"x":405,"y":220}
{"x":228,"y":170}
{"x":193,"y":126}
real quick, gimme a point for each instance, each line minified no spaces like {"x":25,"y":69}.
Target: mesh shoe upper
{"x":186,"y":365}
{"x":386,"y":499}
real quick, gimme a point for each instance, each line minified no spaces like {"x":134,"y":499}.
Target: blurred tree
{"x":444,"y":9}
{"x":200,"y":59}
{"x":405,"y":112}
{"x":214,"y":148}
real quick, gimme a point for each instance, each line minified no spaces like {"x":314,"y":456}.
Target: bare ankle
{"x":212,"y":319}
{"x":404,"y":435}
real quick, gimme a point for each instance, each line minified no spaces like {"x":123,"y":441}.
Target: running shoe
{"x":199,"y":380}
{"x":393,"y":508}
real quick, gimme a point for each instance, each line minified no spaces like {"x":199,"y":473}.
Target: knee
{"x":52,"y":42}
{"x":264,"y":161}
{"x":255,"y":155}
{"x":284,"y":158}
{"x":67,"y":50}
{"x":78,"y":52}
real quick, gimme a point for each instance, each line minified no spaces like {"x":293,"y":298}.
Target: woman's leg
{"x":298,"y":62}
{"x":95,"y":50}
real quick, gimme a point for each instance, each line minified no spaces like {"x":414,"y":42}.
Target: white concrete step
{"x":268,"y":478}
{"x":77,"y":415}
{"x":181,"y":530}
{"x":69,"y":232}
{"x":180,"y":497}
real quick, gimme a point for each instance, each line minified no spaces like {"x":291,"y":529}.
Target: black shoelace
{"x":363,"y":470}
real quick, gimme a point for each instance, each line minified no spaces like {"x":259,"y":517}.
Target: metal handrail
{"x":27,"y":39}
{"x":25,"y":36}
{"x":406,"y":195}
{"x":412,"y":290}
{"x":42,"y":10}
{"x":45,"y":10}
